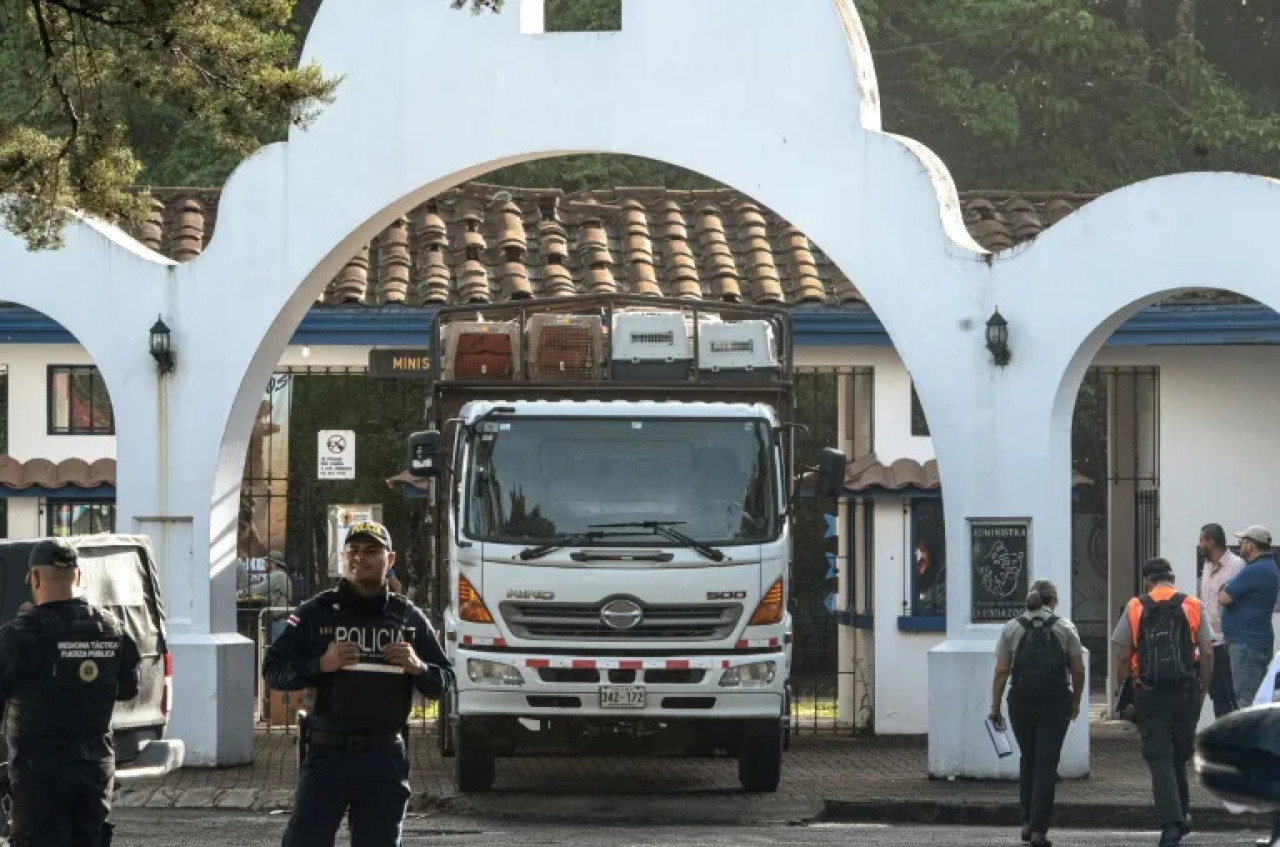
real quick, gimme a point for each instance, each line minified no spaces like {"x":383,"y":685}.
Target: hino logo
{"x":527,"y":594}
{"x":622,"y":614}
{"x":726,"y":595}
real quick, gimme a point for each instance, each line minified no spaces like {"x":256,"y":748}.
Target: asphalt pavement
{"x":213,"y":828}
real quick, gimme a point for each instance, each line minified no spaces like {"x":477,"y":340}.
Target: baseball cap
{"x":54,"y":552}
{"x":370,"y":529}
{"x":1259,"y":534}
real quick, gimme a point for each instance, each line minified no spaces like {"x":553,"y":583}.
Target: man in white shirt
{"x":1220,"y":566}
{"x":274,"y":586}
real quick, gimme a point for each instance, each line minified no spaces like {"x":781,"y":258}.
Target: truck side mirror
{"x":1238,"y":757}
{"x":426,"y":454}
{"x":831,"y":465}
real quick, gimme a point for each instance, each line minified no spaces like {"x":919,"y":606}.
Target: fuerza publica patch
{"x":87,"y":649}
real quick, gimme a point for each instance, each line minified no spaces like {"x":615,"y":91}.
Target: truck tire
{"x":473,"y":760}
{"x":760,"y":758}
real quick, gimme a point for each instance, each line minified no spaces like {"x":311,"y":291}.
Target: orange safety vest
{"x":1190,"y":608}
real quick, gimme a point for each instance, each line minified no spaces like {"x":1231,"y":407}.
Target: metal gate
{"x":815,"y":671}
{"x":1146,"y":534}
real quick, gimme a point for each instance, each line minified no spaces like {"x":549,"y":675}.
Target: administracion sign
{"x":336,"y":454}
{"x":1000,"y":559}
{"x":400,"y":364}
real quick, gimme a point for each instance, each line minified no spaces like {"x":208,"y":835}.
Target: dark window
{"x":72,"y":517}
{"x":78,"y":402}
{"x":928,"y":558}
{"x":919,"y":424}
{"x":4,"y":413}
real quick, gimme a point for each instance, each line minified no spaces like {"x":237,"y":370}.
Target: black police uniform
{"x":356,"y":757}
{"x":63,"y":666}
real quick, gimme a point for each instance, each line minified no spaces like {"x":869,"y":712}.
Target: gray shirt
{"x":1011,"y":635}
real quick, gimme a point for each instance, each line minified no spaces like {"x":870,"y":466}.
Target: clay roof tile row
{"x":480,"y":243}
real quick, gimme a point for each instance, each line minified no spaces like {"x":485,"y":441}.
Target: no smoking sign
{"x":336,"y":454}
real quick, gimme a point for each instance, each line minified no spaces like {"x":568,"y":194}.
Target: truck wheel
{"x":760,"y":758}
{"x":473,"y":761}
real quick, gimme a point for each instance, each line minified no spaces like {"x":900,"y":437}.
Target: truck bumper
{"x":673,"y":688}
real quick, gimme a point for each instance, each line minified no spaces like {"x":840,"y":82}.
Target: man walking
{"x":63,"y":666}
{"x":1247,"y":603}
{"x":1220,"y":567}
{"x":361,"y":651}
{"x":1156,"y":642}
{"x":275,"y":589}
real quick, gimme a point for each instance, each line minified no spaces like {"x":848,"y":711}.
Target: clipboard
{"x":999,"y":739}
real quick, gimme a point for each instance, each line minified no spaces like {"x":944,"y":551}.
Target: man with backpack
{"x":1041,"y":651}
{"x":1164,"y":642}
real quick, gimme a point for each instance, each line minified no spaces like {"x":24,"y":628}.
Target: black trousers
{"x":60,"y":803}
{"x":1040,"y":727}
{"x":1222,"y":691}
{"x":372,"y":786}
{"x":1167,"y":724}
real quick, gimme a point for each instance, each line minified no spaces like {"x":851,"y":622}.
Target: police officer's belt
{"x":352,"y":742}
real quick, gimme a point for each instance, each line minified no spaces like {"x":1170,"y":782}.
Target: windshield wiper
{"x":664,"y":528}
{"x":530,"y":553}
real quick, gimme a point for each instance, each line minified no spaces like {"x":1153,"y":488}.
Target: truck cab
{"x":613,"y":487}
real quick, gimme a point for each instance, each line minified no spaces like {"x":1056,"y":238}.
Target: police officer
{"x":63,"y":666}
{"x":361,"y":651}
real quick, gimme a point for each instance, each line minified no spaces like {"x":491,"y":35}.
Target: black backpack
{"x":1040,"y":662}
{"x":1166,"y":653}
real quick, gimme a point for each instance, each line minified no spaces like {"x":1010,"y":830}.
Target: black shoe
{"x":1184,"y":828}
{"x":1171,"y":835}
{"x":1026,"y":832}
{"x":1038,"y":840}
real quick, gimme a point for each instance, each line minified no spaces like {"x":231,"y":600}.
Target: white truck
{"x":613,"y":480}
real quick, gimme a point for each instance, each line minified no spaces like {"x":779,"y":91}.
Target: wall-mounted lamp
{"x":998,"y":339}
{"x":162,"y":346}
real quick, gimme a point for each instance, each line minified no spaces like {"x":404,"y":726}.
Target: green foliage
{"x":85,"y":87}
{"x":584,"y":15}
{"x":1075,"y":94}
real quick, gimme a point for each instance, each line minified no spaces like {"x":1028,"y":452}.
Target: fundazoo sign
{"x":336,"y":454}
{"x":1000,"y":559}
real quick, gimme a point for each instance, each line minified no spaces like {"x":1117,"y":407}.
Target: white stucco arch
{"x":774,"y":97}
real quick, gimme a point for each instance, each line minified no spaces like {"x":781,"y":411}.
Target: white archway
{"x":795,"y":124}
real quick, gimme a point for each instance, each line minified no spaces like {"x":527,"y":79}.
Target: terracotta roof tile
{"x":479,"y":243}
{"x":42,"y":473}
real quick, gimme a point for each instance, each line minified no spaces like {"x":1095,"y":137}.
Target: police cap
{"x":54,"y":552}
{"x":371,"y":530}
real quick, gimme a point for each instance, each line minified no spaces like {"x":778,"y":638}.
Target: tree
{"x":84,"y":85}
{"x":1074,"y":94}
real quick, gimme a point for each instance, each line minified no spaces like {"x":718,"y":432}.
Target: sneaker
{"x":1171,"y":835}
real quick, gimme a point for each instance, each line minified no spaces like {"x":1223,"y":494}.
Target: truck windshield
{"x":536,"y":480}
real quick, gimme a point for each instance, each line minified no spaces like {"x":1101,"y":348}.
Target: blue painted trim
{"x":71,"y":492}
{"x":815,"y":326}
{"x":913,"y":623}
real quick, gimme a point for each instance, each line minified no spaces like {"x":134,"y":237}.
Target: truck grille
{"x":547,"y":621}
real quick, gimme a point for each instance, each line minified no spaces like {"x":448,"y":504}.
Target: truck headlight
{"x":754,"y":675}
{"x":484,"y":672}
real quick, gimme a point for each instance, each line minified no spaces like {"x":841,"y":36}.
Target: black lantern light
{"x":162,"y":346}
{"x":998,"y":339}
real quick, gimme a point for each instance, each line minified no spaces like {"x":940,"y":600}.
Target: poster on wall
{"x":1001,"y":563}
{"x":263,"y":504}
{"x":340,"y":519}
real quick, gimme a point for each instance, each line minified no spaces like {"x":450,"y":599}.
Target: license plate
{"x":622,"y":697}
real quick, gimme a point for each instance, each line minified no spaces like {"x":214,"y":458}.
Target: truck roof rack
{"x":611,"y":343}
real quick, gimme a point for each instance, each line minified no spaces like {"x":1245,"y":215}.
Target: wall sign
{"x":336,"y":454}
{"x":1000,"y":562}
{"x":400,"y":364}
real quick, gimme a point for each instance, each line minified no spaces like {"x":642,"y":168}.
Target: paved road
{"x":152,"y":828}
